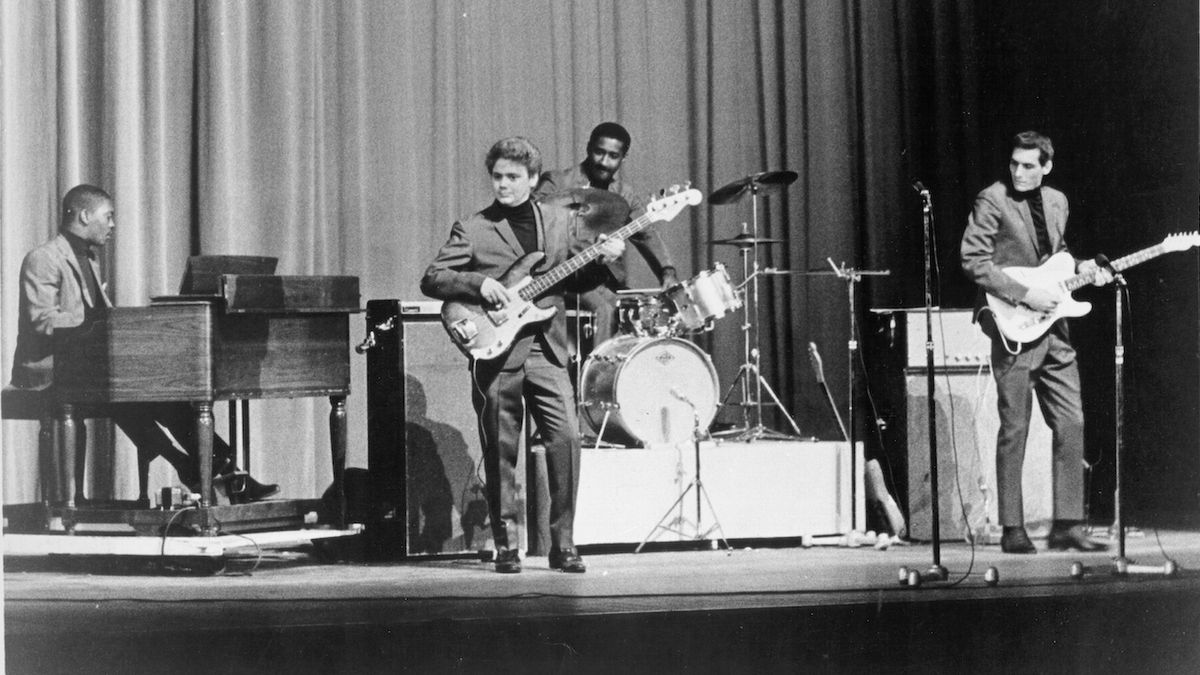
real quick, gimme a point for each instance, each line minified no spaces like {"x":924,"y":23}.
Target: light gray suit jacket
{"x":53,"y":295}
{"x":1000,"y":233}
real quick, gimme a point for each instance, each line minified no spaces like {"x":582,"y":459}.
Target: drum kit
{"x":650,"y":384}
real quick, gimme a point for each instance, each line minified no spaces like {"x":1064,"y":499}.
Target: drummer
{"x":607,"y":149}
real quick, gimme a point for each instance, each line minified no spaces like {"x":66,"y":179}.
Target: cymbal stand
{"x":1122,"y":565}
{"x":701,"y":493}
{"x":852,"y":276}
{"x":750,"y":355}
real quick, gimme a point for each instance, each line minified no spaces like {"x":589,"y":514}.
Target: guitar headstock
{"x":1181,"y":241}
{"x":671,"y":201}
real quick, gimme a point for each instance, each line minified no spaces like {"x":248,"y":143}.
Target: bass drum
{"x":652,"y":389}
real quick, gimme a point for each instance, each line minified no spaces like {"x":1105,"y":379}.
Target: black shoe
{"x":1064,"y":537}
{"x":508,"y":561}
{"x":567,"y":560}
{"x":1016,"y":540}
{"x":241,"y":488}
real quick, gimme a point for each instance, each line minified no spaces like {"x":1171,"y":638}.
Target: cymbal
{"x":745,"y":240}
{"x":757,"y":182}
{"x":598,"y":210}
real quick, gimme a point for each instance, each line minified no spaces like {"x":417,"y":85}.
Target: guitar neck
{"x":1119,"y":265}
{"x":575,"y":263}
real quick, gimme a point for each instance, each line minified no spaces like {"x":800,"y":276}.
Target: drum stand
{"x":750,"y":356}
{"x":701,"y":493}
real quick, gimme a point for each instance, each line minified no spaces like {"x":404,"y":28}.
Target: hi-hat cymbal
{"x":598,"y":210}
{"x":745,"y":240}
{"x":758,"y":182}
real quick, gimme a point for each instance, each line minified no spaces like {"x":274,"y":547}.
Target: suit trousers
{"x":501,"y":398}
{"x":1047,"y":366}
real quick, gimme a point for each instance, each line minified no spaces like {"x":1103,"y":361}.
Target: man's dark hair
{"x":610,"y":130}
{"x":82,"y":198}
{"x":515,"y":149}
{"x":1032,"y":140}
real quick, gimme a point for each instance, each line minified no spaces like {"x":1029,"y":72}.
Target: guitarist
{"x":1022,"y":223}
{"x":533,"y":373}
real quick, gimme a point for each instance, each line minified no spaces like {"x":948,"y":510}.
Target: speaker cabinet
{"x":424,"y":454}
{"x":967,"y":424}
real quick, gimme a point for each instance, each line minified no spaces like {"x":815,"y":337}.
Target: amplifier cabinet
{"x":424,"y":453}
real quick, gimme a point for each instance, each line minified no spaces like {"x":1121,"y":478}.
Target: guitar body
{"x":485,"y":334}
{"x":1022,"y":324}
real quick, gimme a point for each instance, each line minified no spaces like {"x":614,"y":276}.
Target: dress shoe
{"x":508,"y":561}
{"x":243,"y":488}
{"x":1065,"y":537}
{"x":567,"y":560}
{"x":1016,"y":540}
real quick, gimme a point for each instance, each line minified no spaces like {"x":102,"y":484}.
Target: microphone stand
{"x":1122,"y":565}
{"x":701,"y":493}
{"x":936,"y":571}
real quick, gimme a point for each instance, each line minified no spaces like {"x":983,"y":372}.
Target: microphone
{"x":679,"y":395}
{"x":1103,"y":261}
{"x":920,"y":187}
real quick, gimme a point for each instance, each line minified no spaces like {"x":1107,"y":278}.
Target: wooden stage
{"x":771,"y":607}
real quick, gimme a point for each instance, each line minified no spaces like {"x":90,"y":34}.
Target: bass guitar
{"x":1022,"y":324}
{"x":486,"y":333}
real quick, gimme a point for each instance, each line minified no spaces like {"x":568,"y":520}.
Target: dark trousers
{"x":1048,"y":367}
{"x":500,"y":398}
{"x":140,"y":422}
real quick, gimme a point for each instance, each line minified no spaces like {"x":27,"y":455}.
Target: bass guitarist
{"x":1021,"y":223}
{"x":533,"y":372}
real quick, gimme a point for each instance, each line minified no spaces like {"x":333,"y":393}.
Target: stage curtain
{"x":345,"y":137}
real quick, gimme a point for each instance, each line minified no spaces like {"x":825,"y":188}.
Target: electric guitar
{"x":1022,"y":324}
{"x":486,"y":333}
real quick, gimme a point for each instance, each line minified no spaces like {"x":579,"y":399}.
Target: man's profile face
{"x":604,"y":158}
{"x":511,"y":182}
{"x":1027,"y":169}
{"x":96,"y":224}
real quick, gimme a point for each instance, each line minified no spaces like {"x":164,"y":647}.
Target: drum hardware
{"x":597,"y":210}
{"x":697,"y":434}
{"x":745,"y":240}
{"x":851,"y":276}
{"x":748,"y":242}
{"x":755,"y":184}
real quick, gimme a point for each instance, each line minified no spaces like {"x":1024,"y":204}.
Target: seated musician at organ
{"x":61,"y":288}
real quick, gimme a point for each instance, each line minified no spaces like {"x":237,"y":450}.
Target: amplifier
{"x":957,"y":342}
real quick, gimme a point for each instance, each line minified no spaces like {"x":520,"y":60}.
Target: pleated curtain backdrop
{"x":344,"y":137}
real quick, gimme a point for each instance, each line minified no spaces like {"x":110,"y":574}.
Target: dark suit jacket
{"x":53,"y":295}
{"x":648,"y":242}
{"x":1000,"y":234}
{"x":485,"y":246}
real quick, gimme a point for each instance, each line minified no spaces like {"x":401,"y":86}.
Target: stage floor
{"x":763,"y":608}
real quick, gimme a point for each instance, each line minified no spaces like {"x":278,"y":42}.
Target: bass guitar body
{"x":487,"y":333}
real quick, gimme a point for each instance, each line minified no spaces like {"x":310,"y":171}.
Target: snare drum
{"x":704,"y":298}
{"x":648,"y":387}
{"x":643,"y":315}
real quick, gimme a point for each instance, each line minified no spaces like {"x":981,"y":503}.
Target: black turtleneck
{"x":523,"y":222}
{"x":1038,"y":213}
